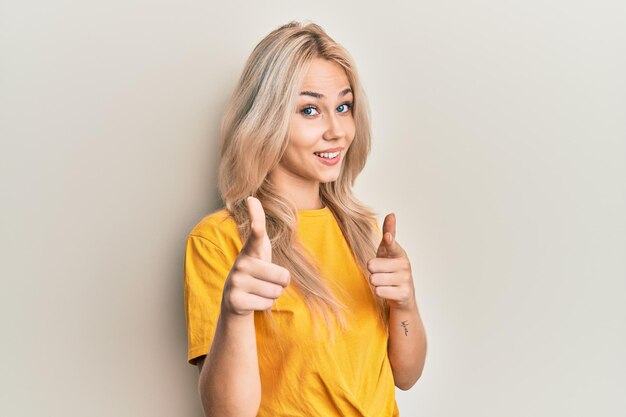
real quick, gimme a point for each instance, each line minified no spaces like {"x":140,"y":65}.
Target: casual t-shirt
{"x":303,"y":373}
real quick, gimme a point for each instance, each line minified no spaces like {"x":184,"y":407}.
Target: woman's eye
{"x":308,"y":111}
{"x":344,"y":108}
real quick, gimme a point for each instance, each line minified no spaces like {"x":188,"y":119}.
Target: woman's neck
{"x":304,"y":194}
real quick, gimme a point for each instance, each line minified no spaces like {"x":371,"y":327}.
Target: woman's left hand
{"x":391,"y":270}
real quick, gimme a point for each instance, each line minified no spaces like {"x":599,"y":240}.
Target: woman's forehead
{"x":326,"y":78}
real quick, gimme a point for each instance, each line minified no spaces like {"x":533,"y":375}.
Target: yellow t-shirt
{"x":301,"y":375}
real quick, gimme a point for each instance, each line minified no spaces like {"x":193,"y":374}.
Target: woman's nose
{"x":334,"y":128}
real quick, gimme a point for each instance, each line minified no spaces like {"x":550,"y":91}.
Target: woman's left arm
{"x":393,"y":280}
{"x":407,"y":345}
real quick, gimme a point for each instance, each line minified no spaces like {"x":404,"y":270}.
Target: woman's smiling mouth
{"x":328,"y":158}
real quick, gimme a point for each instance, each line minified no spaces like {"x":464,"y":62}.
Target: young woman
{"x":296,"y":303}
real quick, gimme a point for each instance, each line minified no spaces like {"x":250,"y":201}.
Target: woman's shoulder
{"x":219,"y":227}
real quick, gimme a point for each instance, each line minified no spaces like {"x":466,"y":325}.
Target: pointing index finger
{"x":257,"y":217}
{"x":389,"y":247}
{"x":389,"y":226}
{"x":254,"y":245}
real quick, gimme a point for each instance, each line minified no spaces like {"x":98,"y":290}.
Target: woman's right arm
{"x":229,"y":382}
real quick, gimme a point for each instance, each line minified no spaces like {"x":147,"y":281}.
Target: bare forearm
{"x":229,"y":382}
{"x":407,"y":345}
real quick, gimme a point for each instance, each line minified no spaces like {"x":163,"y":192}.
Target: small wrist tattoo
{"x":405,"y":324}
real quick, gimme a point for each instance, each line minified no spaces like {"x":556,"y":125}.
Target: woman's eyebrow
{"x":320,"y":95}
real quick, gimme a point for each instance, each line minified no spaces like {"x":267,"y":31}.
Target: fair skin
{"x":322,"y":121}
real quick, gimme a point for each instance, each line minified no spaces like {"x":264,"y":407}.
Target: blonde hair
{"x":254,"y":137}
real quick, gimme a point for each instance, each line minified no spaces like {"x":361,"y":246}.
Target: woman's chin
{"x":329,"y":179}
{"x":330,"y":176}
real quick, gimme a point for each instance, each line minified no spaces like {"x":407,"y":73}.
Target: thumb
{"x":254,"y":243}
{"x":389,"y":247}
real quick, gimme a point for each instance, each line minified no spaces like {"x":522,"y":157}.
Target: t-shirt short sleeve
{"x":206,"y":268}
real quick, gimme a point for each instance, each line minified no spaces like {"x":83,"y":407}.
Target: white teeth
{"x":327,"y":155}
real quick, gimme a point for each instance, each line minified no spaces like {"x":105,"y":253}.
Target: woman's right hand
{"x":254,"y":282}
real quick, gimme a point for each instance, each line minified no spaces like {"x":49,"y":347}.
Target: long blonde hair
{"x":254,"y":136}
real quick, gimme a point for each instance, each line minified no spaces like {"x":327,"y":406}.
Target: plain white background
{"x":499,"y":141}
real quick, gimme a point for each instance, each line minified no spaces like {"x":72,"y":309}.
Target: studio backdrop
{"x":499,"y":141}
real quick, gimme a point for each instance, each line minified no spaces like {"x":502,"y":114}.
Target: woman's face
{"x":321,"y":127}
